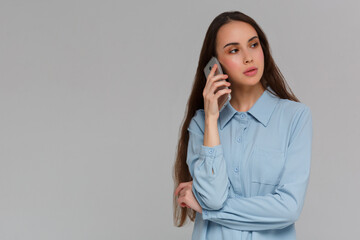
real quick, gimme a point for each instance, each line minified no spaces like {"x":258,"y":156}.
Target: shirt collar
{"x":261,"y":110}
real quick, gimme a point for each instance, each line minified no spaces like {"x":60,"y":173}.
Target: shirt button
{"x":242,"y":115}
{"x":211,"y":150}
{"x":239,"y":139}
{"x":236,"y":169}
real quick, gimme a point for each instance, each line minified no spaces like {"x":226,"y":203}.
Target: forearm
{"x":207,"y":165}
{"x":272,"y":211}
{"x":211,"y":132}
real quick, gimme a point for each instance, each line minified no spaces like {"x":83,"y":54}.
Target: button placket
{"x":240,"y":136}
{"x":243,"y":122}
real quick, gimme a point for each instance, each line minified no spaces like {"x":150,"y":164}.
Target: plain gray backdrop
{"x":92,"y":95}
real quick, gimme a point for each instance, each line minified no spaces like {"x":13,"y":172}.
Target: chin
{"x":247,"y":82}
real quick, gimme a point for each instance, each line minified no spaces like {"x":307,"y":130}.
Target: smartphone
{"x":225,"y":97}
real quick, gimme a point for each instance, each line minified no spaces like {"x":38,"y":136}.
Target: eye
{"x":255,"y":45}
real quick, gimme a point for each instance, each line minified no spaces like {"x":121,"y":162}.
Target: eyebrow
{"x":236,"y":43}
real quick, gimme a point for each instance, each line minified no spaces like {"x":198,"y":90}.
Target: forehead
{"x":235,"y":31}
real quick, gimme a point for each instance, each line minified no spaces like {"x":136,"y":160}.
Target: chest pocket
{"x":266,"y":165}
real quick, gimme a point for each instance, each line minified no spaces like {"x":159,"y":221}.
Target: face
{"x":238,"y":48}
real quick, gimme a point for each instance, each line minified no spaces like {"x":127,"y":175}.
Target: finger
{"x":181,"y":186}
{"x":218,"y":84}
{"x":184,"y":205}
{"x":182,"y":192}
{"x":212,"y":72}
{"x":178,"y":189}
{"x":222,"y":92}
{"x":181,"y":202}
{"x":218,"y":78}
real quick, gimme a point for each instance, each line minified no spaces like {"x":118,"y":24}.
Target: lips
{"x":250,"y":69}
{"x":251,"y":72}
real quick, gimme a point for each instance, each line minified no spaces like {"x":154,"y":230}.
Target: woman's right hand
{"x":211,"y":106}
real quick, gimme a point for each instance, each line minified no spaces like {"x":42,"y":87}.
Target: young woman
{"x":242,"y":172}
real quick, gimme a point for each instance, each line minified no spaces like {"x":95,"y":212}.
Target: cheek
{"x":261,"y":56}
{"x":230,"y":64}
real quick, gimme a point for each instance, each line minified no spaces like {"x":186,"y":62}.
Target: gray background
{"x":92,"y":95}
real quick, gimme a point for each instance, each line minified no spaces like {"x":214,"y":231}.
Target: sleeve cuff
{"x":211,"y":152}
{"x":205,"y":214}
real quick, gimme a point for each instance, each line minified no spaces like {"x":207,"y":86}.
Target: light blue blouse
{"x":253,"y":184}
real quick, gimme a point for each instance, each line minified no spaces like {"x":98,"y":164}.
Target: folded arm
{"x":283,"y":207}
{"x":207,"y":167}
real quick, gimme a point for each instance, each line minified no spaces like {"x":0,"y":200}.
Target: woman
{"x":242,"y":172}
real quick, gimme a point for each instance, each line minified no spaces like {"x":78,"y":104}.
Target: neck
{"x":244,"y":97}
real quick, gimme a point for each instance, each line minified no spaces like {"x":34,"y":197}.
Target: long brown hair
{"x":271,"y":77}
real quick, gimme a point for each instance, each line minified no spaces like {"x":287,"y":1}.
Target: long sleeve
{"x":283,"y":207}
{"x":207,"y":167}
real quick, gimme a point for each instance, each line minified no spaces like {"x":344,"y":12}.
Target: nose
{"x":247,"y":58}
